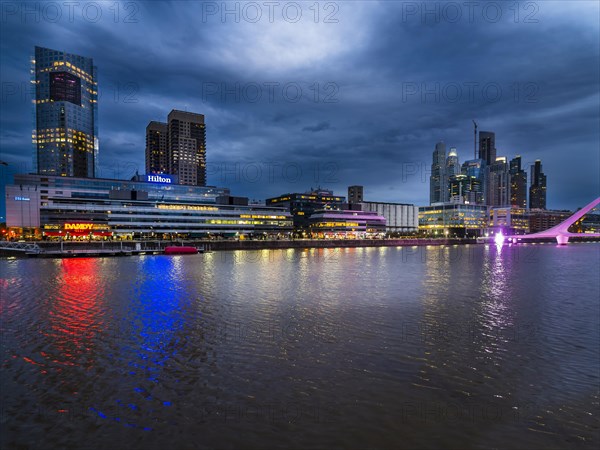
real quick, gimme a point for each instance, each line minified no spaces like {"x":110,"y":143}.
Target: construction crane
{"x":474,"y":140}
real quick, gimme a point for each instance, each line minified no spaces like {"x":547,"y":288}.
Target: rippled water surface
{"x":438,"y":347}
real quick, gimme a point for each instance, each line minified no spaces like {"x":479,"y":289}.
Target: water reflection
{"x":151,"y":336}
{"x":76,"y":314}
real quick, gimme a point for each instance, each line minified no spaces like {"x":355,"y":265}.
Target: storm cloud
{"x":331,"y":94}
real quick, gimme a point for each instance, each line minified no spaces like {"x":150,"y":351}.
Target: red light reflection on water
{"x":75,"y":316}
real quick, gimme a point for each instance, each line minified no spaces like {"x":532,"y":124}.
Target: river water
{"x":423,"y":347}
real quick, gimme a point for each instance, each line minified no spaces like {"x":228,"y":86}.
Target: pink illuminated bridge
{"x":560,"y":232}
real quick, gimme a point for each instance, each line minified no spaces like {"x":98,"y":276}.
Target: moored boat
{"x":180,"y":250}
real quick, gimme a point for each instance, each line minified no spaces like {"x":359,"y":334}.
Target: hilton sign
{"x":159,"y":179}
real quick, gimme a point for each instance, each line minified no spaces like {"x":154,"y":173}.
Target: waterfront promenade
{"x":121,"y":248}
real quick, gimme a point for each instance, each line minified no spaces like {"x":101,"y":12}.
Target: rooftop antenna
{"x":474,"y":140}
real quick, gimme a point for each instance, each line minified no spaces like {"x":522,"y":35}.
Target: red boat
{"x":180,"y":250}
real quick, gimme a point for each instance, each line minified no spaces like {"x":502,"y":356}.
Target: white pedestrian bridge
{"x":559,"y":232}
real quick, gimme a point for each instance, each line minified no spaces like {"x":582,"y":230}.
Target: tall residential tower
{"x":178,"y":147}
{"x":157,"y":156}
{"x":537,"y":190}
{"x":65,"y":137}
{"x":487,"y":147}
{"x":518,"y":183}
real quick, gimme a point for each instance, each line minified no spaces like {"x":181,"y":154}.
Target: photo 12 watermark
{"x":270,"y":12}
{"x":70,"y":12}
{"x":428,"y":13}
{"x":270,"y":92}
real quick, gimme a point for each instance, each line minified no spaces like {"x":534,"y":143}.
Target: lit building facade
{"x":65,"y":136}
{"x":301,"y":206}
{"x":453,"y":220}
{"x":472,"y":189}
{"x":543,"y":219}
{"x":518,"y":184}
{"x":71,"y":207}
{"x":178,"y":147}
{"x":328,"y":223}
{"x":509,"y":220}
{"x":187,"y":147}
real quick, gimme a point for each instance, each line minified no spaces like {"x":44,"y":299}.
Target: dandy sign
{"x":78,"y":226}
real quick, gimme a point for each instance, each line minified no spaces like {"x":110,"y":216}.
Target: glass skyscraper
{"x":437,"y":180}
{"x":65,"y":137}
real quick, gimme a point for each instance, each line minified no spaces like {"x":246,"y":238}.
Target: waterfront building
{"x":65,"y":208}
{"x":157,"y":153}
{"x":355,"y":194}
{"x":65,"y":135}
{"x":453,"y":220}
{"x":518,"y":184}
{"x":351,"y":224}
{"x":487,"y":147}
{"x":301,"y":206}
{"x":178,"y":147}
{"x":438,"y":179}
{"x":537,"y":190}
{"x":399,"y":217}
{"x":509,"y":220}
{"x":543,"y":219}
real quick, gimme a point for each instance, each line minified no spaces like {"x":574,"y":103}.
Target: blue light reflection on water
{"x":156,"y":304}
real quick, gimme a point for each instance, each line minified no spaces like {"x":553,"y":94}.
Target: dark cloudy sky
{"x":370,"y":87}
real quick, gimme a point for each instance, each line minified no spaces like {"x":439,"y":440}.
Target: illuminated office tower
{"x":65,"y":137}
{"x":187,"y":147}
{"x":518,"y":183}
{"x":452,"y":168}
{"x":471,"y":190}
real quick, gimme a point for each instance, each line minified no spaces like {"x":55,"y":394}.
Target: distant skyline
{"x":380,"y":84}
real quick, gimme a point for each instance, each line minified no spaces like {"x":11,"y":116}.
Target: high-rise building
{"x":465,"y":189}
{"x":518,"y":183}
{"x":537,"y":190}
{"x":497,"y":187}
{"x":187,"y":147}
{"x":355,"y":194}
{"x":452,"y":168}
{"x":452,"y":165}
{"x":157,"y":156}
{"x":487,"y":146}
{"x":178,"y":147}
{"x":472,"y":188}
{"x":438,"y":181}
{"x":65,"y":137}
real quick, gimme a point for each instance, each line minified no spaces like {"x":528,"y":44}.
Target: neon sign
{"x":22,"y":199}
{"x":78,"y":226}
{"x":159,"y":179}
